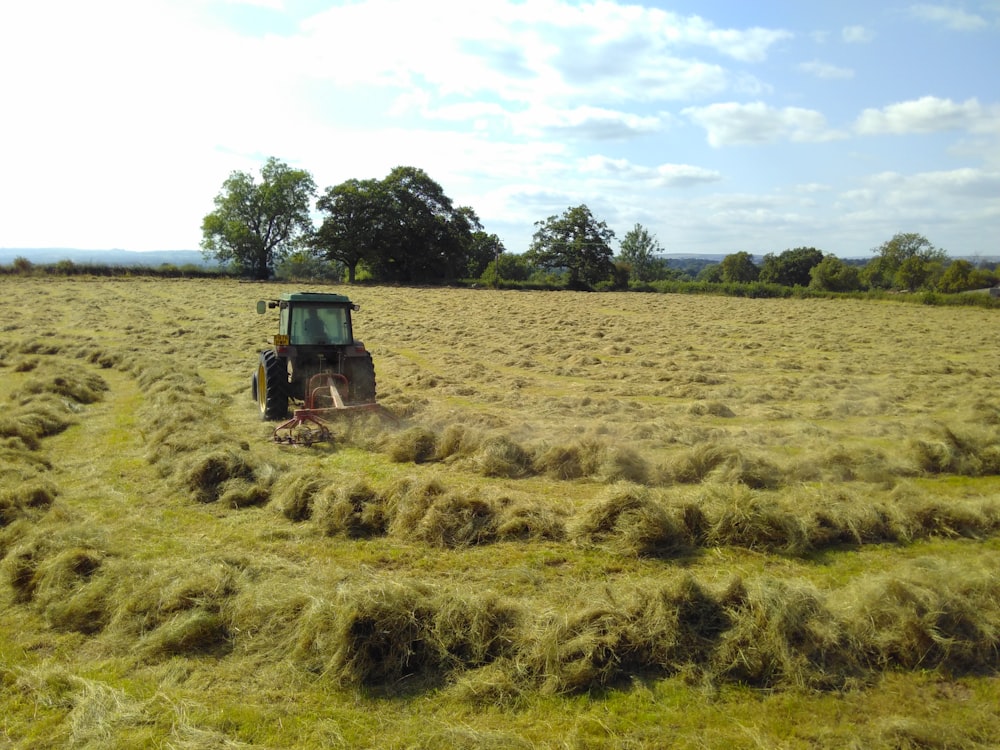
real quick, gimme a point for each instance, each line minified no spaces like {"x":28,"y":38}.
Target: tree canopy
{"x":907,"y":261}
{"x":255,"y":224}
{"x":738,"y":267}
{"x":790,"y":268}
{"x":638,"y":250}
{"x":576,"y":242}
{"x":402,"y":228}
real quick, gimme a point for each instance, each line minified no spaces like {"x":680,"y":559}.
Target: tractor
{"x":315,"y":360}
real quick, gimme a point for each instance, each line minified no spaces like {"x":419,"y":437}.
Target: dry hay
{"x":228,"y":476}
{"x":596,"y":645}
{"x":62,"y":576}
{"x":408,"y":501}
{"x":379,"y":634}
{"x":921,"y":515}
{"x":782,"y":633}
{"x":744,"y":518}
{"x":499,"y":456}
{"x":177,"y":610}
{"x":722,"y":464}
{"x":414,"y":445}
{"x":523,"y":519}
{"x":27,"y":499}
{"x":34,"y":418}
{"x":934,"y":614}
{"x":580,"y":459}
{"x":191,"y":632}
{"x":971,"y":451}
{"x":631,"y":520}
{"x":358,"y":511}
{"x":457,"y":519}
{"x":458,"y":441}
{"x":76,"y":385}
{"x":296,"y":494}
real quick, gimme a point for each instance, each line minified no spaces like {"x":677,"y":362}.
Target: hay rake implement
{"x":324,"y":401}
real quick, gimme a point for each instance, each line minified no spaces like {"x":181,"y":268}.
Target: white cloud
{"x":950,"y":17}
{"x":731,"y":123}
{"x":857,"y":34}
{"x":662,"y":176}
{"x":587,"y":123}
{"x":946,"y":206}
{"x":527,"y":52}
{"x":929,"y":114}
{"x":825,"y":70}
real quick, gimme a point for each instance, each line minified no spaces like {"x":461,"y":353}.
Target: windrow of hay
{"x":637,"y":520}
{"x":188,"y":442}
{"x":357,"y":511}
{"x":33,"y":418}
{"x":380,"y":634}
{"x":762,"y":632}
{"x":427,"y":511}
{"x":969,"y":451}
{"x":629,"y":519}
{"x":27,"y":499}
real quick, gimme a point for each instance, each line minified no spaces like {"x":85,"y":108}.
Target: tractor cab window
{"x":318,"y":325}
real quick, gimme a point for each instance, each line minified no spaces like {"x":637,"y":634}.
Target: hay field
{"x":604,"y":520}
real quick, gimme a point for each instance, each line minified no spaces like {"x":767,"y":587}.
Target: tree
{"x":576,"y":242}
{"x":791,"y":268}
{"x":356,"y":225}
{"x":401,"y":228}
{"x":506,"y":267}
{"x":484,"y":250}
{"x":957,"y":277}
{"x":834,"y":275}
{"x":907,"y":261}
{"x":255,"y":224}
{"x":638,"y":250}
{"x":739,"y":268}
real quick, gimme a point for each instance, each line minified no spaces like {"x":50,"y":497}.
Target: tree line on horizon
{"x":405,"y":229}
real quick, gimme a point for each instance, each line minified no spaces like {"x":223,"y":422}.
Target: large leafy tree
{"x":638,"y":251}
{"x":357,"y":223}
{"x":254,"y":224}
{"x":790,"y":268}
{"x":484,"y":250}
{"x":907,"y":261}
{"x":739,"y":268}
{"x":834,"y":275}
{"x":428,"y":237}
{"x":401,"y":228}
{"x":576,"y":242}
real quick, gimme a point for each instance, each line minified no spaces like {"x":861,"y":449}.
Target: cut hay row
{"x":968,"y":450}
{"x":633,"y":519}
{"x":49,"y":394}
{"x":762,"y":632}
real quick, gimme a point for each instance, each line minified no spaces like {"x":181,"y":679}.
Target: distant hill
{"x":114,"y":257}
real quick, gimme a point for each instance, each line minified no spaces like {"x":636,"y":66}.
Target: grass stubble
{"x":606,"y":521}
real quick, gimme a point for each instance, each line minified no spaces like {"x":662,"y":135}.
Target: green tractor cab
{"x":314,"y":360}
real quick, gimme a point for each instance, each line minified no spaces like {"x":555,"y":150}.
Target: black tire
{"x":361,"y":380}
{"x":272,"y":387}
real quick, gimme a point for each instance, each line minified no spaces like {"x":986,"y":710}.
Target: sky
{"x":718,"y":126}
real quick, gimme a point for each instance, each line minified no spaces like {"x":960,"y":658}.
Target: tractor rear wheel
{"x":271,"y":382}
{"x":361,"y":380}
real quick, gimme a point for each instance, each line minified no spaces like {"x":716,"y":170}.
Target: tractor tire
{"x":271,"y":387}
{"x":361,"y":380}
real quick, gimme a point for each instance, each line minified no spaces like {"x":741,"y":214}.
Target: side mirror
{"x":355,"y":307}
{"x":261,"y":307}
